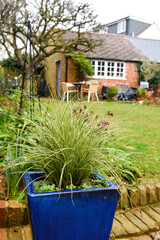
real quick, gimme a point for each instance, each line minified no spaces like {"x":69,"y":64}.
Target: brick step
{"x":13,"y":213}
{"x":16,"y":233}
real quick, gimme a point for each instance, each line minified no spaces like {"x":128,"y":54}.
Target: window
{"x":93,"y":65}
{"x":108,"y":69}
{"x":119,"y":70}
{"x":121,"y":26}
{"x":101,"y":68}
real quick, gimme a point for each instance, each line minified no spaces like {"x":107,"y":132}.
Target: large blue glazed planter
{"x":84,"y":214}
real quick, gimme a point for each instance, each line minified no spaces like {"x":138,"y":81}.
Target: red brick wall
{"x":131,"y":78}
{"x":71,"y":72}
{"x":131,"y":74}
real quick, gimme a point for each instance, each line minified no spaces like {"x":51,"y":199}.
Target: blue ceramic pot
{"x":83,"y":214}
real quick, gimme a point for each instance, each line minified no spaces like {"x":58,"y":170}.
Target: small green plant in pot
{"x":141,"y":94}
{"x":112,"y":93}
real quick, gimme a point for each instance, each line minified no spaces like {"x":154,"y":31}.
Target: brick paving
{"x":142,"y":223}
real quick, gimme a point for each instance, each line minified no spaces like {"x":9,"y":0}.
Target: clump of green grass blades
{"x":68,"y":146}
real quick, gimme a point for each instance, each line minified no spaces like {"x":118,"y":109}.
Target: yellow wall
{"x":50,"y":73}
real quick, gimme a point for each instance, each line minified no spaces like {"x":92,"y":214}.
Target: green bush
{"x":113,"y":91}
{"x":141,"y":92}
{"x":83,"y":65}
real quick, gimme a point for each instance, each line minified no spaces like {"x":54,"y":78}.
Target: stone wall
{"x":140,"y":195}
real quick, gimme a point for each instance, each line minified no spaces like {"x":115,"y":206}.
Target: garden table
{"x":79,"y":86}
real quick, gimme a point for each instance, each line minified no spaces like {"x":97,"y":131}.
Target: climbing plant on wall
{"x":82,"y":65}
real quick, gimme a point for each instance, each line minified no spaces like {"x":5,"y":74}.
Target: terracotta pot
{"x":140,"y":100}
{"x":114,"y":98}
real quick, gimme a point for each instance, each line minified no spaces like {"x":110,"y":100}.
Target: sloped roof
{"x":116,"y":47}
{"x":121,"y":47}
{"x":149,"y":47}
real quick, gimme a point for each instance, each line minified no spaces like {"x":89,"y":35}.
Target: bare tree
{"x":57,"y":26}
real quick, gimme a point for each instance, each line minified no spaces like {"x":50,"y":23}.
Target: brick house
{"x":114,"y":62}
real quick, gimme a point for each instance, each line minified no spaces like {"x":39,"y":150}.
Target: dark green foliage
{"x":113,"y":91}
{"x":155,"y":80}
{"x":141,"y":92}
{"x":12,"y":63}
{"x":94,"y":182}
{"x":83,"y":65}
{"x":141,"y":77}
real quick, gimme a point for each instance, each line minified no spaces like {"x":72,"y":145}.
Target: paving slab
{"x":156,"y":207}
{"x":28,"y":232}
{"x":153,"y":214}
{"x":136,"y":221}
{"x":127,"y":224}
{"x":118,"y":229}
{"x":15,"y":233}
{"x":151,"y":224}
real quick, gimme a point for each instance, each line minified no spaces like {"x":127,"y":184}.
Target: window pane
{"x":101,"y":68}
{"x":120,"y":70}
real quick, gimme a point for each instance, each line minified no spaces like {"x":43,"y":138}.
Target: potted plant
{"x":141,"y":94}
{"x":66,"y":149}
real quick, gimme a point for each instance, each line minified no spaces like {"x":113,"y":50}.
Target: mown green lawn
{"x":136,"y":129}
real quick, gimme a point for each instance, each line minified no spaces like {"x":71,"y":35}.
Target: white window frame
{"x":121,"y":27}
{"x":109,"y":67}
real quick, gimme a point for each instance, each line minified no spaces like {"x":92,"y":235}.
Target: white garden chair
{"x":68,"y":88}
{"x":91,"y":89}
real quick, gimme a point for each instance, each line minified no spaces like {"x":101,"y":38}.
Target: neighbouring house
{"x":114,"y":62}
{"x":135,"y":27}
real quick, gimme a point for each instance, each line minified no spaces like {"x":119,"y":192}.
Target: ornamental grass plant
{"x":69,"y":144}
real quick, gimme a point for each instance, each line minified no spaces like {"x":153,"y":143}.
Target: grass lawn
{"x":137,"y":130}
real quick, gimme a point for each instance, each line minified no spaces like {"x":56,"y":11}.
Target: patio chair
{"x":91,"y":89}
{"x":68,"y":88}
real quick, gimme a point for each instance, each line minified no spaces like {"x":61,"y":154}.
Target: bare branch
{"x":51,"y":21}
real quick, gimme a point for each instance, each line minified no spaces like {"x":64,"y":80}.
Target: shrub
{"x":141,"y":92}
{"x":150,"y":69}
{"x":113,"y":91}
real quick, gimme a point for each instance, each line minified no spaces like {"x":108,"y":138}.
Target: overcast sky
{"x":111,"y":10}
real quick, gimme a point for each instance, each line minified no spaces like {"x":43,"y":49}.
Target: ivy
{"x":83,"y":64}
{"x":140,"y":74}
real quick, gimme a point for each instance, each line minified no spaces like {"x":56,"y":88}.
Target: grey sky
{"x":111,"y":10}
